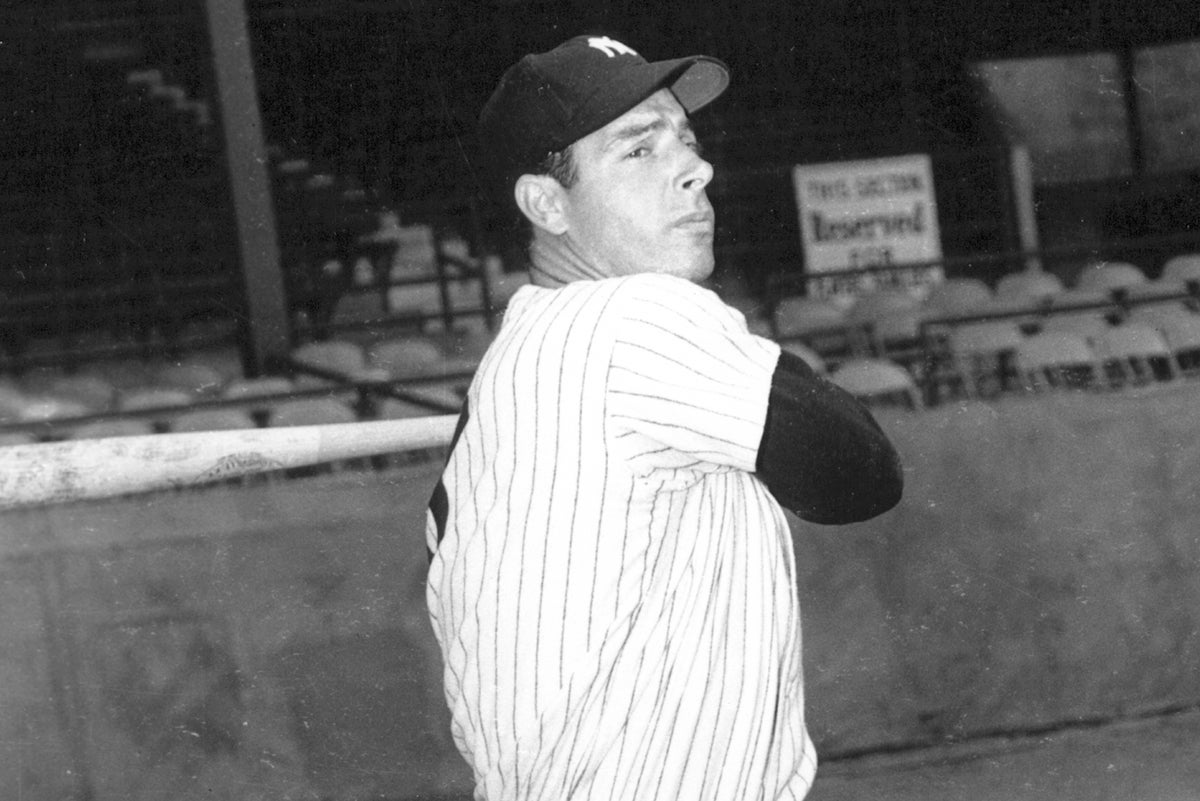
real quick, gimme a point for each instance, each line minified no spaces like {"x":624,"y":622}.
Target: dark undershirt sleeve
{"x":822,"y":454}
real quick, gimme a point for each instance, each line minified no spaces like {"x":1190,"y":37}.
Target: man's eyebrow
{"x":638,"y":129}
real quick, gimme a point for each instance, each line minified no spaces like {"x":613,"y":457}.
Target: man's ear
{"x":542,"y":199}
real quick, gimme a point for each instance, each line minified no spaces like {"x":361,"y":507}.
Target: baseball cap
{"x":548,"y":100}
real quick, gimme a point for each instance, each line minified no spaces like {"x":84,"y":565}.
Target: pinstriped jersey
{"x":612,"y":588}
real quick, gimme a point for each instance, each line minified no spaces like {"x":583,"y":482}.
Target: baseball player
{"x":612,"y":580}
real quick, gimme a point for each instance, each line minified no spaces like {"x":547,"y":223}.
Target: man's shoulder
{"x":657,"y":289}
{"x":655,"y":296}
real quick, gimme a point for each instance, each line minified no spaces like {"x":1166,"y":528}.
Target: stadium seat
{"x":878,"y":382}
{"x":1136,"y":353}
{"x":226,"y":361}
{"x":12,"y":400}
{"x":36,"y":380}
{"x":263,"y":386}
{"x":396,"y":409}
{"x":191,"y":376}
{"x":310,"y":412}
{"x":1057,"y":360}
{"x":464,"y":349}
{"x":153,"y":398}
{"x":334,"y":356}
{"x":1090,"y":323}
{"x":897,"y":332}
{"x":957,"y":296}
{"x":798,"y":316}
{"x":1156,"y":315}
{"x":1107,"y":276}
{"x":871,"y":306}
{"x":1028,"y":287}
{"x":981,"y":355}
{"x":92,"y":391}
{"x":123,"y":374}
{"x":1182,"y":333}
{"x":39,"y":409}
{"x":406,"y":357}
{"x":1181,"y":269}
{"x":212,"y":420}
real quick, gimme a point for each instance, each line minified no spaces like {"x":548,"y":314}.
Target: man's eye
{"x":641,"y":151}
{"x":696,"y":147}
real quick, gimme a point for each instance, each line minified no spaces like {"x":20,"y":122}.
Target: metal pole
{"x":246,"y":160}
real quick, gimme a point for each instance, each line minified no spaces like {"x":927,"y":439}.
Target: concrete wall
{"x":270,"y":640}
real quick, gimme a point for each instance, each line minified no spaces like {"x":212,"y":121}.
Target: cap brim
{"x":701,"y":82}
{"x":695,"y":81}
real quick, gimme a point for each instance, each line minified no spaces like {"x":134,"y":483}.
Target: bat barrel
{"x":88,"y":469}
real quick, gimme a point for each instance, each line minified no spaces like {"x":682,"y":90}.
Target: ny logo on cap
{"x":610,"y":47}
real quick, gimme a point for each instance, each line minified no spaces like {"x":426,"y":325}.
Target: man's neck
{"x":554,"y":261}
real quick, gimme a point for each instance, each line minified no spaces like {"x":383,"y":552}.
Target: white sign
{"x":869,"y":213}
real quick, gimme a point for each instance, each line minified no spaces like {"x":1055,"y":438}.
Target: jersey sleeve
{"x":688,"y":384}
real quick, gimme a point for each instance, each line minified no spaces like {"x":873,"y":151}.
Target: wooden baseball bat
{"x":88,"y":469}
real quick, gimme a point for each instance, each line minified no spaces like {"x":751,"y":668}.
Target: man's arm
{"x":822,"y":454}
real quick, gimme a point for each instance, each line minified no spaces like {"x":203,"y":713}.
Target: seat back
{"x":1028,"y":286}
{"x":957,"y":296}
{"x":1138,"y":354}
{"x":1109,"y":275}
{"x":878,"y":382}
{"x":1057,"y":359}
{"x":310,"y":412}
{"x":981,"y":356}
{"x":405,"y":357}
{"x":1181,"y":269}
{"x":796,"y":316}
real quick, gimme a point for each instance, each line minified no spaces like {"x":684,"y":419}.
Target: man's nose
{"x":696,"y":173}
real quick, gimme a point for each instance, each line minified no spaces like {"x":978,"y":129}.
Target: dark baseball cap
{"x":546,"y":101}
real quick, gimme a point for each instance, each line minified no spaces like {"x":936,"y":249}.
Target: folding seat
{"x":198,"y":378}
{"x":878,"y":382}
{"x":1136,"y":353}
{"x":310,"y":412}
{"x":92,"y":391}
{"x":1028,"y":287}
{"x":1182,"y":332}
{"x":957,"y":296}
{"x":1088,"y":322}
{"x":406,"y":357}
{"x":340,"y":357}
{"x":41,"y":408}
{"x":873,"y":305}
{"x":981,"y":356}
{"x":153,"y":398}
{"x":12,"y":401}
{"x":1181,"y":269}
{"x":800,"y":316}
{"x":1107,"y":276}
{"x":159,"y":405}
{"x":262,"y":386}
{"x":1058,"y":360}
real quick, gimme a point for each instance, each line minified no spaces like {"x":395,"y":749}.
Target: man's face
{"x":639,"y":203}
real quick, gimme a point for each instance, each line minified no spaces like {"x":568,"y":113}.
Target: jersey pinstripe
{"x":612,"y":588}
